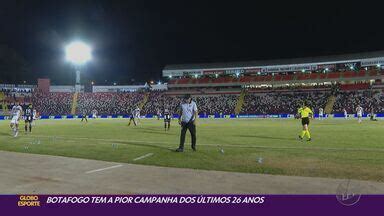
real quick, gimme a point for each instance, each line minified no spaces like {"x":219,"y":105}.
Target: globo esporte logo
{"x":28,"y":201}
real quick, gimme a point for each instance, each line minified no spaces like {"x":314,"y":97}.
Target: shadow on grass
{"x":267,"y":137}
{"x":4,"y":133}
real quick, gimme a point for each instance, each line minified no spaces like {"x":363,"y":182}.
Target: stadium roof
{"x":306,"y":60}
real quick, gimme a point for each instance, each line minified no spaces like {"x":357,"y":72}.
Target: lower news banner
{"x":148,"y":199}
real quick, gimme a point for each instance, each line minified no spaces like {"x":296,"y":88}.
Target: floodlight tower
{"x":78,"y":53}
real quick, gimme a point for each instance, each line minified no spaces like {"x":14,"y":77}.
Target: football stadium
{"x":283,"y":126}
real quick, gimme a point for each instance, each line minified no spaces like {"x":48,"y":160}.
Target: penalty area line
{"x":102,"y":169}
{"x":142,"y":157}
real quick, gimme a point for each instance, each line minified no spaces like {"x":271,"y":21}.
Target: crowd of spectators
{"x":208,"y":105}
{"x":52,"y":103}
{"x":283,"y":102}
{"x":367,"y":99}
{"x":108,"y":103}
{"x":16,"y":94}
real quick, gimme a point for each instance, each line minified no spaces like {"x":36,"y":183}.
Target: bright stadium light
{"x":78,"y":53}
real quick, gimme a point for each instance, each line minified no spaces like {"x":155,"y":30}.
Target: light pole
{"x":78,"y":53}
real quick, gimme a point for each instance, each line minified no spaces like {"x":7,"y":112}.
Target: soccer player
{"x":158,"y":114}
{"x":17,"y":112}
{"x":345,"y":113}
{"x":35,"y":117}
{"x":167,"y":119}
{"x":305,"y":113}
{"x":94,"y":114}
{"x":359,"y":113}
{"x":372,"y":115}
{"x":84,"y":117}
{"x":28,"y":115}
{"x":321,"y":113}
{"x":135,"y":115}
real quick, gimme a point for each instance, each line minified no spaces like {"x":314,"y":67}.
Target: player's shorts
{"x":167,"y":118}
{"x":305,"y":121}
{"x":359,"y":115}
{"x":28,"y":119}
{"x":94,"y":116}
{"x":15,"y":120}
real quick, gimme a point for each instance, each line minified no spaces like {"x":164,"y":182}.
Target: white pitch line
{"x":144,"y":156}
{"x":225,"y":145}
{"x":106,"y":168}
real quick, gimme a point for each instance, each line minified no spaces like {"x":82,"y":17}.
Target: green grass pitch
{"x":339,"y":149}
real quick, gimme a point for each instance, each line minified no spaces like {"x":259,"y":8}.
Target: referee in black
{"x":187,"y":120}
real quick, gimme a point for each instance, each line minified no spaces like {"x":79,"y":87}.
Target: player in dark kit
{"x":28,"y":115}
{"x":167,"y":119}
{"x":84,"y":116}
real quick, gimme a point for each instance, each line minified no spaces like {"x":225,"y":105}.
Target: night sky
{"x":134,"y":40}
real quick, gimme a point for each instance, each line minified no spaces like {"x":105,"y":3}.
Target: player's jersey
{"x":359,"y":110}
{"x":305,"y":112}
{"x":321,"y":111}
{"x":167,"y":114}
{"x":28,"y":112}
{"x":16,"y":111}
{"x":94,"y":112}
{"x":136,"y":113}
{"x":34,"y":113}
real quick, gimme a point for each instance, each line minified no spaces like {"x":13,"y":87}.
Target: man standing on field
{"x":187,"y":120}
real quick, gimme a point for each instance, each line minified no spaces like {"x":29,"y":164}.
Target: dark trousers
{"x":192,"y":129}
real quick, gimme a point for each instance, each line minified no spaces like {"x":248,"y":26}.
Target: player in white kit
{"x":34,"y":117}
{"x":321,"y":113}
{"x":17,"y":112}
{"x":359,"y":113}
{"x":94,"y":114}
{"x":345,"y":113}
{"x":135,"y":116}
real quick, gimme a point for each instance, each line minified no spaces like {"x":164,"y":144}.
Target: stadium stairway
{"x":329,"y":106}
{"x":74,"y":103}
{"x":240,"y":102}
{"x":4,"y":106}
{"x":144,"y":101}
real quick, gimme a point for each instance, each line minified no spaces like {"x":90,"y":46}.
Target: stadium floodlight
{"x":78,"y":53}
